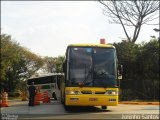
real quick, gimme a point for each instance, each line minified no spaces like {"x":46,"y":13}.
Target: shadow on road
{"x":84,"y":109}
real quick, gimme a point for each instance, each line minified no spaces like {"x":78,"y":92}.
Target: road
{"x":55,"y":110}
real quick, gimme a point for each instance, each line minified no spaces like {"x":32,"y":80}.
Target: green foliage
{"x":50,"y":64}
{"x":141,"y":69}
{"x":127,"y":53}
{"x":54,"y":64}
{"x":17,"y":63}
{"x":59,"y":63}
{"x":13,"y":94}
{"x":150,"y":57}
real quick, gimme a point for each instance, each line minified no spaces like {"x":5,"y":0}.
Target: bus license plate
{"x":93,"y":99}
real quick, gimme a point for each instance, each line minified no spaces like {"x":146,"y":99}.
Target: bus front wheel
{"x":67,"y":108}
{"x":104,"y":107}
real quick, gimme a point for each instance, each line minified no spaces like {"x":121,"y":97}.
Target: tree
{"x":131,"y":14}
{"x":141,"y":69}
{"x":59,"y":63}
{"x":53,"y":64}
{"x":127,"y":54}
{"x":17,"y":63}
{"x":50,"y":64}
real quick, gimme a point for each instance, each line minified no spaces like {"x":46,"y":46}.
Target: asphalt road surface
{"x":55,"y":110}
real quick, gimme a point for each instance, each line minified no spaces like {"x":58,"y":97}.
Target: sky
{"x":47,"y":27}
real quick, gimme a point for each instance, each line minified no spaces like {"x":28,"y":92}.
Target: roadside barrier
{"x":4,"y":102}
{"x":38,"y":99}
{"x":46,"y":98}
{"x":139,"y":103}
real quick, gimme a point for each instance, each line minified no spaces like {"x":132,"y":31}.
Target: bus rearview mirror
{"x":120,"y":71}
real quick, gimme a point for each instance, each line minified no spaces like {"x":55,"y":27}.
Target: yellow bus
{"x":91,"y":76}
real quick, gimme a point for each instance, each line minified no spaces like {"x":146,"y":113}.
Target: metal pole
{"x":154,"y":88}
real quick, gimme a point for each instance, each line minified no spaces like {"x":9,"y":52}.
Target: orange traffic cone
{"x":46,"y":98}
{"x":4,"y":102}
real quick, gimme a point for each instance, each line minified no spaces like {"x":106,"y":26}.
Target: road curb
{"x":140,"y":103}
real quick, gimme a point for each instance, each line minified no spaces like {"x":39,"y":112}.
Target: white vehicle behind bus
{"x":49,"y":82}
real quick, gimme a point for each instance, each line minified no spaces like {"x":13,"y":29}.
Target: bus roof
{"x":47,"y":75}
{"x":92,"y":45}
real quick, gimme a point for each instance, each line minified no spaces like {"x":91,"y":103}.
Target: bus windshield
{"x":92,"y":66}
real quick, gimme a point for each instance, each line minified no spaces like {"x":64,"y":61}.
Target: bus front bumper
{"x":91,"y":100}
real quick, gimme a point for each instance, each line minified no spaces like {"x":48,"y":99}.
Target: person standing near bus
{"x":32,"y":93}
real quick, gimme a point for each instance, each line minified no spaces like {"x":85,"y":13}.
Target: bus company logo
{"x":9,"y":117}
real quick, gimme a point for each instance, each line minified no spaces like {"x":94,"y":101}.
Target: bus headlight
{"x":112,"y":92}
{"x":72,"y":92}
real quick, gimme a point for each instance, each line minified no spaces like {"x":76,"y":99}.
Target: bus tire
{"x":67,"y":108}
{"x":54,"y":96}
{"x":104,"y":107}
